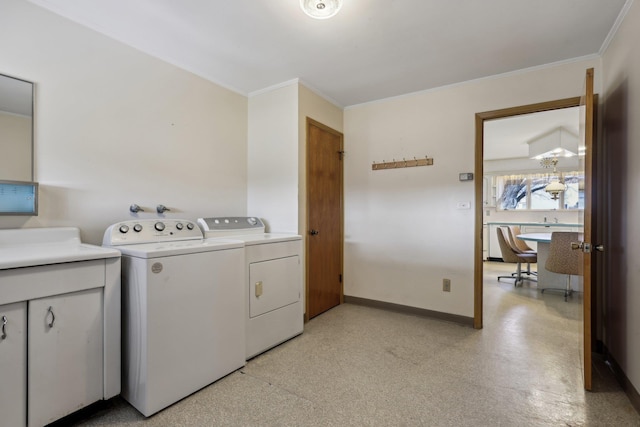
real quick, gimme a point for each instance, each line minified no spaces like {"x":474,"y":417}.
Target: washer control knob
{"x":159,"y":226}
{"x":137,"y":228}
{"x":179,"y":226}
{"x":252,"y":221}
{"x":124,"y":228}
{"x":189,"y":226}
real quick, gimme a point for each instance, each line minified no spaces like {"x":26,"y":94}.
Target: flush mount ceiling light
{"x":321,"y":9}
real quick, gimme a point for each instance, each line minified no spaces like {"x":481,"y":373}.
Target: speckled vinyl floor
{"x":359,"y":366}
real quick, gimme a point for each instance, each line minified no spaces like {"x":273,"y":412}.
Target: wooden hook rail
{"x":396,"y":164}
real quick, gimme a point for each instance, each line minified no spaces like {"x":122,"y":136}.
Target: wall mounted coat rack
{"x":396,"y":164}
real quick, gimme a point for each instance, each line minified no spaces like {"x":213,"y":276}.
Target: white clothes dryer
{"x":273,"y":280}
{"x":183,"y":309}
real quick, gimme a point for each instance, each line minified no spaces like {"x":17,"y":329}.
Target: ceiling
{"x":373,"y":49}
{"x":507,"y":138}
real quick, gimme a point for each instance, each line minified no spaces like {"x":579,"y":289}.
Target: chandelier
{"x":555,"y":187}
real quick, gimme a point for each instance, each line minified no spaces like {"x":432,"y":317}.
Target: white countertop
{"x":28,"y":247}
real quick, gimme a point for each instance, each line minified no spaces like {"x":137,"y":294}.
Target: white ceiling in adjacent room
{"x":507,"y":138}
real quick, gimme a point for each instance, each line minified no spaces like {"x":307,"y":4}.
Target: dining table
{"x":546,"y":278}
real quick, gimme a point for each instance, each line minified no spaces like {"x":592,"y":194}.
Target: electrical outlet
{"x":446,"y":285}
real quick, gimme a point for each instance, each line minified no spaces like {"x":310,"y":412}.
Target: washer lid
{"x":164,"y":249}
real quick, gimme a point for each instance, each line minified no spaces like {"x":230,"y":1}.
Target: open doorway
{"x":584,"y":243}
{"x":519,"y":165}
{"x":480,"y":246}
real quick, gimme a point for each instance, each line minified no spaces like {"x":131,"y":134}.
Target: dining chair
{"x":562,"y":259}
{"x":511,"y":255}
{"x":520,"y":246}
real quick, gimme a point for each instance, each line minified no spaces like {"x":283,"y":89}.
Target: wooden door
{"x":324,"y":218}
{"x":587,"y":270}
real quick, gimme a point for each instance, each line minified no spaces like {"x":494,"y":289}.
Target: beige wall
{"x":403,"y":230}
{"x":273,"y":158}
{"x":621,"y":136}
{"x":15,"y":147}
{"x":115,"y":127}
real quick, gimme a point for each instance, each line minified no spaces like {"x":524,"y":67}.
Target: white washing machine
{"x":273,"y":283}
{"x":183,"y":309}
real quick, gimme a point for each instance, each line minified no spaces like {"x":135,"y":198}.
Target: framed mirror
{"x":16,"y":129}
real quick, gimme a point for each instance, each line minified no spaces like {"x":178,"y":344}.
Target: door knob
{"x":313,"y":232}
{"x":587,"y":247}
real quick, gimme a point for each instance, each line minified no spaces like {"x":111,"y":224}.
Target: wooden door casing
{"x":590,"y":305}
{"x":324,"y":218}
{"x":587,"y":131}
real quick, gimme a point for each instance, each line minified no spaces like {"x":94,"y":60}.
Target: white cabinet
{"x":65,"y":354}
{"x":13,"y":364}
{"x":485,"y":242}
{"x":61,"y":302}
{"x":489,"y":191}
{"x":493,"y":245}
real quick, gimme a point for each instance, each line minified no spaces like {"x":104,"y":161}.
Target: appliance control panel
{"x":218,"y":226}
{"x":150,"y":231}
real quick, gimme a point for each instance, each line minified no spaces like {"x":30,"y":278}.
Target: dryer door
{"x":273,"y":284}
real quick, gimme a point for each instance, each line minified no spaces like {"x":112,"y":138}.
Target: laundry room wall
{"x":273,"y":157}
{"x":114,"y":126}
{"x":621,"y":137}
{"x":404,"y":232}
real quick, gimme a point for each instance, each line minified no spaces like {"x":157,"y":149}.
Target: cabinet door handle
{"x":53,"y":316}
{"x":4,"y":326}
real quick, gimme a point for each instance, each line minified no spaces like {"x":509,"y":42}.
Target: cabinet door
{"x":494,"y":245}
{"x":64,"y":354}
{"x":13,"y":365}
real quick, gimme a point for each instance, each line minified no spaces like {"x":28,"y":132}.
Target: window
{"x":527,"y":191}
